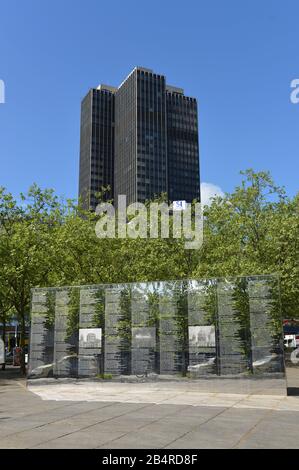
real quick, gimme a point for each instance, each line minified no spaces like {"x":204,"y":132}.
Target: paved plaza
{"x":82,"y":414}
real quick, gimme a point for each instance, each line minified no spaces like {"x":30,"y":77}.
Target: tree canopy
{"x":48,"y":242}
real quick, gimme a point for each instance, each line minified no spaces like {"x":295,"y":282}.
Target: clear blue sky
{"x":237,"y":57}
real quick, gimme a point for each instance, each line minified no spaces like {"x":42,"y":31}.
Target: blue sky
{"x":237,"y":57}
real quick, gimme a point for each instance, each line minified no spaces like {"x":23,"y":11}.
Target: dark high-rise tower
{"x":182,"y":146}
{"x":140,"y":136}
{"x":96,"y":144}
{"x":141,"y":139}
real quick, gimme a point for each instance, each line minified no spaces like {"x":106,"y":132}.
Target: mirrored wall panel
{"x":172,"y":330}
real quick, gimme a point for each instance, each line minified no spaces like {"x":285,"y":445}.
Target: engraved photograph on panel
{"x":90,"y":338}
{"x":202,"y":336}
{"x":144,"y":337}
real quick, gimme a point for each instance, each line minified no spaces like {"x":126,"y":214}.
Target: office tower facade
{"x":141,"y":139}
{"x":182,"y":146}
{"x":96,"y":145}
{"x":140,"y":136}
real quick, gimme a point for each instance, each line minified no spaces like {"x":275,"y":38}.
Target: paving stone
{"x":80,"y":440}
{"x":198,"y":420}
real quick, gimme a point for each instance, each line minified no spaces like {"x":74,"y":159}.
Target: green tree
{"x":254,"y":231}
{"x":27,"y":247}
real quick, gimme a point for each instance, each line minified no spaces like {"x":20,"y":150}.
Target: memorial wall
{"x":169,"y":330}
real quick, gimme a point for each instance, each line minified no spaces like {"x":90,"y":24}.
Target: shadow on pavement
{"x":10,"y":373}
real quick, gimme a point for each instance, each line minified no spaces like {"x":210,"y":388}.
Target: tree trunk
{"x":185,"y":356}
{"x":4,"y":339}
{"x":22,"y":344}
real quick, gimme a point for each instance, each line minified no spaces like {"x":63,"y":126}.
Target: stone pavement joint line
{"x":109,"y":419}
{"x":251,"y":430}
{"x":196,"y":427}
{"x":91,"y":425}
